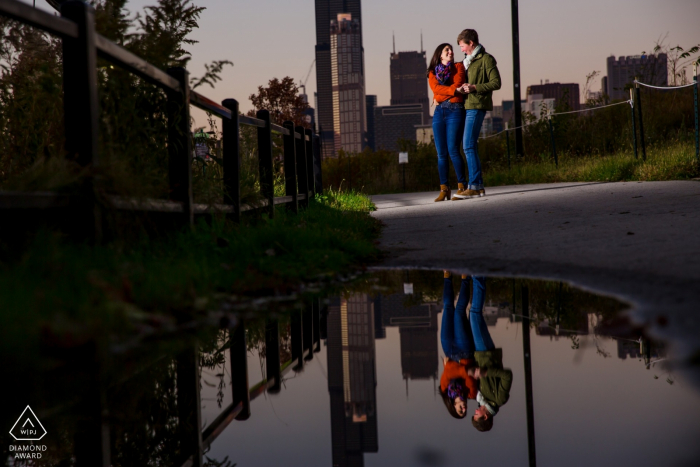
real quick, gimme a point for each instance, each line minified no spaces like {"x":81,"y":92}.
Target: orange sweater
{"x":444,"y":92}
{"x":457,"y":370}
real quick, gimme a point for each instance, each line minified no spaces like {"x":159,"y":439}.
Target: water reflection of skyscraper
{"x":352,"y":379}
{"x":417,"y":330}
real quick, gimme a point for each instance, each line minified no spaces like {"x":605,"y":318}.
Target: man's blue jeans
{"x":480,"y":332}
{"x":455,"y":336}
{"x":472,"y":128}
{"x":448,"y":125}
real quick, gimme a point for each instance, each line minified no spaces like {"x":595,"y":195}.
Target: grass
{"x":668,"y":162}
{"x":72,"y":291}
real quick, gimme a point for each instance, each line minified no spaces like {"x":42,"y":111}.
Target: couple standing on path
{"x":473,"y":366}
{"x":462,"y":93}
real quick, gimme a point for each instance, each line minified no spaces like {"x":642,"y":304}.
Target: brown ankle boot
{"x":445,"y":193}
{"x":460,"y":192}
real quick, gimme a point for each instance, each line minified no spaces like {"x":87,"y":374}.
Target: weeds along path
{"x":634,"y":240}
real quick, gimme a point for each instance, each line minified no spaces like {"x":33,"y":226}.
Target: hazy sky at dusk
{"x":561,"y":40}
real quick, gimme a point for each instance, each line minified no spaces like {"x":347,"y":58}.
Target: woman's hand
{"x":445,"y":360}
{"x":467,"y":88}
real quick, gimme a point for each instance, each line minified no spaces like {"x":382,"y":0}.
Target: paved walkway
{"x":638,"y":241}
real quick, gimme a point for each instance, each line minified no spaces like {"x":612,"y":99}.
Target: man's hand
{"x":476,"y":372}
{"x":467,"y":88}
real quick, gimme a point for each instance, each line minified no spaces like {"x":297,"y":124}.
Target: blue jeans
{"x":480,"y":332}
{"x":448,"y":125}
{"x":472,"y":128}
{"x":455,"y":336}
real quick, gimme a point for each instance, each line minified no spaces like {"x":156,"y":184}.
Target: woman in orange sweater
{"x":457,"y":383}
{"x":445,"y":77}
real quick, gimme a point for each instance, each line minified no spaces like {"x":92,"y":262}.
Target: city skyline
{"x":601,"y":29}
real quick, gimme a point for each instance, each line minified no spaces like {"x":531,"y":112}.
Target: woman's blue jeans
{"x":448,"y":125}
{"x":480,"y":332}
{"x":457,"y":341}
{"x":472,"y":128}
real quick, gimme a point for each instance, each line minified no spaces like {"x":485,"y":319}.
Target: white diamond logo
{"x":28,"y":427}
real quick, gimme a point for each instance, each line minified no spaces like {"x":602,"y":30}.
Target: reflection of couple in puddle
{"x":473,"y":365}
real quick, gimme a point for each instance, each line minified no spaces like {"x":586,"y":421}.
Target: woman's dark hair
{"x":435,"y":61}
{"x":450,"y":404}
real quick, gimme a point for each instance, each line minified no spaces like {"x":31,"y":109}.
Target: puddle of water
{"x":571,"y":382}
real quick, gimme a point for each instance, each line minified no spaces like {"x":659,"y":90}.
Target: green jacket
{"x":495,"y":386}
{"x":482,"y":73}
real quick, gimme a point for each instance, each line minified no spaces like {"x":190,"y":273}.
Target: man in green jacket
{"x":482,"y":79}
{"x":494,"y":381}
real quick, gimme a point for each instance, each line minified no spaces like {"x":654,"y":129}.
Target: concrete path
{"x":638,"y":241}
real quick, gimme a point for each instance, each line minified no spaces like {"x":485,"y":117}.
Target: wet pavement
{"x":637,"y":241}
{"x":354,"y":377}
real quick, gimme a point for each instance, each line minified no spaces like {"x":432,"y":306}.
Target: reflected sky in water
{"x":595,"y":401}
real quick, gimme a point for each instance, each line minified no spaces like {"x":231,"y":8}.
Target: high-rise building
{"x":561,"y":92}
{"x":651,"y":69}
{"x":409,"y":84}
{"x":327,"y":12}
{"x":370,"y":104}
{"x":352,"y":379}
{"x":395,"y":122}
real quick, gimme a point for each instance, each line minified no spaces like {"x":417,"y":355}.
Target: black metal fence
{"x":81,"y":47}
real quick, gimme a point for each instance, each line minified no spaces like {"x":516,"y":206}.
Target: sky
{"x":560,"y":40}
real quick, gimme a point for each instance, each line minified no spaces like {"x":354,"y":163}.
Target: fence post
{"x":634,"y":125}
{"x":308,"y":330}
{"x":180,"y":144}
{"x":267,"y":184}
{"x":318,"y":165}
{"x":239,"y":370}
{"x":301,"y":166}
{"x":310,"y":161}
{"x":230,"y":151}
{"x":189,"y":405}
{"x":697,"y":117}
{"x":272,"y":355}
{"x":508,"y":145}
{"x":80,"y":101}
{"x":297,"y":340}
{"x":554,"y":146}
{"x":638,"y":101}
{"x":527,"y":360}
{"x":290,"y":168}
{"x":317,"y":324}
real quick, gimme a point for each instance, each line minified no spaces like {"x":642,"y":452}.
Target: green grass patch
{"x":664,"y":162}
{"x":72,"y":291}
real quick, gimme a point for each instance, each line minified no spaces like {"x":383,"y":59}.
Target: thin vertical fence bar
{"x":638,"y":102}
{"x":301,"y":166}
{"x":508,"y":144}
{"x":318,"y":172}
{"x":634,"y":126}
{"x":310,"y":161}
{"x":189,"y":406}
{"x":308,"y":330}
{"x":553,"y":143}
{"x":272,"y":355}
{"x":239,"y":371}
{"x":697,"y":117}
{"x":180,"y":144}
{"x":297,"y":343}
{"x":267,"y":186}
{"x":231,"y":131}
{"x":290,"y":168}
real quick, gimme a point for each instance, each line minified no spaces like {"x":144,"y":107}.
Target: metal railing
{"x":81,"y":47}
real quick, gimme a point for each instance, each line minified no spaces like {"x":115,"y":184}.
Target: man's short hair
{"x":483,"y":424}
{"x":468,"y":35}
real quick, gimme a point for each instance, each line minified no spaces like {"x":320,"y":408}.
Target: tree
{"x":283,"y":100}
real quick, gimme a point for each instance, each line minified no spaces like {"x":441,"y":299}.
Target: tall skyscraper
{"x":348,"y":59}
{"x":352,"y":379}
{"x":409,"y":84}
{"x":371,"y":103}
{"x":652,"y":69}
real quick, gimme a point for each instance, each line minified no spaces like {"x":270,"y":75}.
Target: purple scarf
{"x":455,"y":389}
{"x":442,"y":72}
